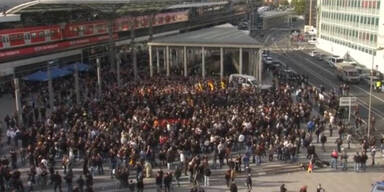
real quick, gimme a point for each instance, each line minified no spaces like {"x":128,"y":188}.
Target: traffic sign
{"x":348,"y":101}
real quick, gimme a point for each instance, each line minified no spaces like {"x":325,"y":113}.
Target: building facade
{"x":310,"y":13}
{"x":353,"y":27}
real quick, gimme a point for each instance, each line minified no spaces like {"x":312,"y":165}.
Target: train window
{"x":81,"y":28}
{"x":27,"y":36}
{"x":33,"y":35}
{"x":41,"y":34}
{"x":53,"y":33}
{"x":14,"y":37}
{"x":100,"y":27}
{"x":47,"y":33}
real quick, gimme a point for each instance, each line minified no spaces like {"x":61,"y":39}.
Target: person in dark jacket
{"x":249,"y":182}
{"x":282,"y":188}
{"x":56,"y":179}
{"x":80,"y":183}
{"x":233,"y":187}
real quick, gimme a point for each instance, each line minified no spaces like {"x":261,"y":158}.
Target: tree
{"x":299,"y":6}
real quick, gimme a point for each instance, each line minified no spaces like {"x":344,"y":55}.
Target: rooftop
{"x":220,"y":36}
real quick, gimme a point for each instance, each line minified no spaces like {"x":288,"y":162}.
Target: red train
{"x":22,"y":41}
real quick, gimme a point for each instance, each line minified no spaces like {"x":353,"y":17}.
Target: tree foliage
{"x":299,"y":6}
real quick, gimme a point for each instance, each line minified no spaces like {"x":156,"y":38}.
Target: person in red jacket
{"x":303,"y":189}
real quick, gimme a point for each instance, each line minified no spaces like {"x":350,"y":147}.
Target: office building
{"x":354,"y":28}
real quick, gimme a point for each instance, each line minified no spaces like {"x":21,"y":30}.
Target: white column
{"x":241,"y":61}
{"x":185,"y":62}
{"x":203,"y":62}
{"x":221,"y":63}
{"x":150,"y":61}
{"x":260,"y":66}
{"x":98,"y":76}
{"x":167,"y":60}
{"x":19,"y":109}
{"x":158,"y":60}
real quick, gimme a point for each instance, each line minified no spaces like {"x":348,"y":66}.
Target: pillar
{"x":158,"y":60}
{"x":150,"y":61}
{"x":133,"y":52}
{"x":221,"y":63}
{"x":111,"y":43}
{"x":185,"y":62}
{"x":260,"y":66}
{"x":98,"y":76}
{"x":151,"y":18}
{"x":77,"y":87}
{"x":118,"y":63}
{"x":241,"y":61}
{"x":19,"y":109}
{"x":203,"y":62}
{"x":167,"y":60}
{"x":50,"y":87}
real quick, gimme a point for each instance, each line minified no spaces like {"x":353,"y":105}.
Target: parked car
{"x":313,"y":53}
{"x":334,"y":60}
{"x":321,"y":57}
{"x":378,"y":187}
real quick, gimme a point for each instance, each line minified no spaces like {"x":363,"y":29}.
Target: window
{"x":33,"y":35}
{"x":41,"y":34}
{"x":15,"y":37}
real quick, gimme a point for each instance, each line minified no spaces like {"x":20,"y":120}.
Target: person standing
{"x":373,"y":154}
{"x":303,"y":189}
{"x":159,"y":181}
{"x":364,"y":159}
{"x":349,"y":140}
{"x":344,"y":159}
{"x":178,"y":174}
{"x":357,"y":160}
{"x":233,"y":187}
{"x":80,"y":183}
{"x":68,"y":179}
{"x":323,"y":140}
{"x":140,"y":185}
{"x":320,"y":188}
{"x":207,"y":174}
{"x":249,"y":182}
{"x":56,"y":179}
{"x":334,"y":156}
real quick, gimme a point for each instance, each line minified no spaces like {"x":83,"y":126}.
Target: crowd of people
{"x":177,"y":125}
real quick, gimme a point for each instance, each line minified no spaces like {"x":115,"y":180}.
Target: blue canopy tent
{"x":43,"y":75}
{"x":80,"y":66}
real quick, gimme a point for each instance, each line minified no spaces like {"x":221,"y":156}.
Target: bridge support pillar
{"x":221,"y":63}
{"x":19,"y":108}
{"x":150,"y":61}
{"x":185,"y":62}
{"x":203,"y":62}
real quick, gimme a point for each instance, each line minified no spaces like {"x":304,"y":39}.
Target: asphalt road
{"x":320,"y":73}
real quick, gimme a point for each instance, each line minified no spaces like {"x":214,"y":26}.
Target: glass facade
{"x":351,"y":23}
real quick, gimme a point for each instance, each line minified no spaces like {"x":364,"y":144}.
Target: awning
{"x":43,"y":75}
{"x":80,"y":67}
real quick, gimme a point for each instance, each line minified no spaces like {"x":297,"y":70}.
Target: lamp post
{"x":370,"y":91}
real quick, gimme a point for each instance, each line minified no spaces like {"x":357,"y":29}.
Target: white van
{"x":243,"y":80}
{"x":334,"y":60}
{"x":246,"y":81}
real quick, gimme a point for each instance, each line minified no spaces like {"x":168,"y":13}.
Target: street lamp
{"x":370,"y":91}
